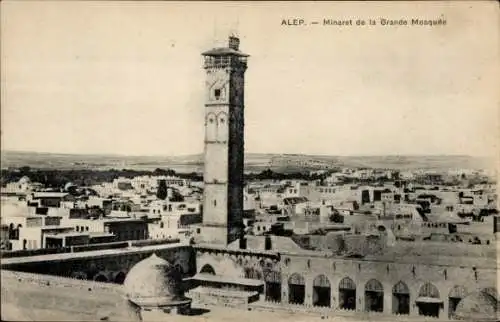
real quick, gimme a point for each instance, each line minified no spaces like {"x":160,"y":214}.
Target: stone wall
{"x":415,"y":275}
{"x":109,"y":267}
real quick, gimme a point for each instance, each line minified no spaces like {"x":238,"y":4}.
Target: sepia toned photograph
{"x":245,"y":161}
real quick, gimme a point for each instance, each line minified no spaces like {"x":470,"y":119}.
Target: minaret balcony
{"x":237,"y":62}
{"x":214,"y":181}
{"x":215,"y":142}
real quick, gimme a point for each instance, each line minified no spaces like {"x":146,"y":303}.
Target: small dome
{"x":154,"y":282}
{"x":477,"y":306}
{"x":24,"y":179}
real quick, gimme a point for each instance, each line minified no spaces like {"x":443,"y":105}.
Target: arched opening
{"x":347,"y":294}
{"x":374,"y":296}
{"x":222,"y":127}
{"x":273,"y":286}
{"x":322,"y":292}
{"x":211,"y":127}
{"x":100,"y":278}
{"x":119,"y":278}
{"x":79,"y":275}
{"x":296,"y":289}
{"x":457,"y":293}
{"x":428,"y":301}
{"x":207,"y":269}
{"x":400,"y":298}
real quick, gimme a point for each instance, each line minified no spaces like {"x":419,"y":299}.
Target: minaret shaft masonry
{"x":224,"y":144}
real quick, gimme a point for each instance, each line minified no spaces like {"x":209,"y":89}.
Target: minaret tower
{"x":224,"y":143}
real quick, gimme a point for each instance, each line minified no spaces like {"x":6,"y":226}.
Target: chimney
{"x":234,"y":42}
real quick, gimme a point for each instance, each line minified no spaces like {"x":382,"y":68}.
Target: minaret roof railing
{"x":224,"y":51}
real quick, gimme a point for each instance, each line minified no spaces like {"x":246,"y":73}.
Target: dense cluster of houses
{"x":129,"y":209}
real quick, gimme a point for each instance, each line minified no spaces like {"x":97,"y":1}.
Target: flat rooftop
{"x":68,"y":234}
{"x":89,"y":254}
{"x":33,"y":297}
{"x":50,"y":194}
{"x":95,"y":234}
{"x":418,"y":253}
{"x":223,"y":279}
{"x":121,"y":219}
{"x":231,"y":293}
{"x":53,"y":227}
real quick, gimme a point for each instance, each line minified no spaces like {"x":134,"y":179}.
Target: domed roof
{"x":154,"y":282}
{"x":69,"y":185}
{"x":477,"y":306}
{"x":24,"y":179}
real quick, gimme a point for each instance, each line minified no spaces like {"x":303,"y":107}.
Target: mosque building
{"x":228,"y":269}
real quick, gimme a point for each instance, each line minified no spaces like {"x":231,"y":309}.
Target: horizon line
{"x":262,"y":153}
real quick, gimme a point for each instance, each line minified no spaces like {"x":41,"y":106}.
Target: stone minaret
{"x":224,"y":143}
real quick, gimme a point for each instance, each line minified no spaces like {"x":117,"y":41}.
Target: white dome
{"x":154,"y":282}
{"x":24,"y":180}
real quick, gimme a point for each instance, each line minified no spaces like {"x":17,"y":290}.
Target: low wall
{"x":326,"y":312}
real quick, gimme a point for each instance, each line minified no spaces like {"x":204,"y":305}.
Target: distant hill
{"x":253,"y":162}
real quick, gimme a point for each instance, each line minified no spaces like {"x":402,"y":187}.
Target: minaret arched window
{"x":222,"y":127}
{"x":211,"y":127}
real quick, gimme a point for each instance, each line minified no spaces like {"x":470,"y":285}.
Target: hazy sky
{"x":127,"y":78}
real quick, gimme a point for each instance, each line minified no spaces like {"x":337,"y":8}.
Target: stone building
{"x":415,"y":285}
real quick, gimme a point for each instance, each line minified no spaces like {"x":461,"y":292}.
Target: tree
{"x":163,"y":172}
{"x":161,"y":193}
{"x":176,"y":196}
{"x":25,"y":171}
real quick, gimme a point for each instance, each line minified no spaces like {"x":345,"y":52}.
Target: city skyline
{"x":113,"y":79}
